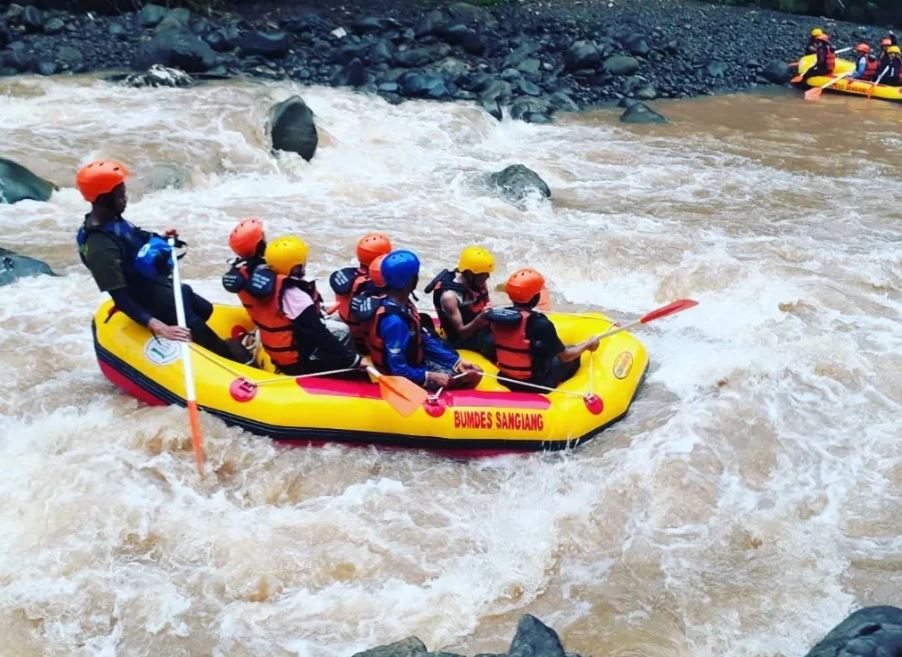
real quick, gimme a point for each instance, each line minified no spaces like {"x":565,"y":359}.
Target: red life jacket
{"x":416,"y":352}
{"x":472,"y":302}
{"x":513,"y":348}
{"x":870,"y":68}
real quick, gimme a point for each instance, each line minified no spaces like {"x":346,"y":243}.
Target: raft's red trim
{"x":320,"y":385}
{"x":129,"y":386}
{"x":496,"y":399}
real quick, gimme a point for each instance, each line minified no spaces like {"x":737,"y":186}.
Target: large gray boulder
{"x":641,"y":113}
{"x":778,"y":72}
{"x":292,"y":127}
{"x":14,"y":266}
{"x":18,"y":183}
{"x":176,"y":48}
{"x":517,"y":181}
{"x":535,"y":639}
{"x":621,"y":65}
{"x":409,"y":647}
{"x":869,"y":632}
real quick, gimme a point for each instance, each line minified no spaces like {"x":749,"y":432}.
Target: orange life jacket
{"x":828,"y":54}
{"x":513,"y":348}
{"x":416,"y":352}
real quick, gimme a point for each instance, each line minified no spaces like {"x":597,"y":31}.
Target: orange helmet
{"x":524,"y":284}
{"x":371,"y":246}
{"x":99,"y":178}
{"x":823,"y":37}
{"x":863,"y":48}
{"x":246,"y":237}
{"x":886,"y":42}
{"x":376,"y":271}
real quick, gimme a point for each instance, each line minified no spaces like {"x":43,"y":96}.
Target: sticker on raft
{"x":517,"y":420}
{"x":623,"y":364}
{"x":161,"y":351}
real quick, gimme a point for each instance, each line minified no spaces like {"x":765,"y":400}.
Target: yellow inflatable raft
{"x":847,"y":85}
{"x":488,"y":420}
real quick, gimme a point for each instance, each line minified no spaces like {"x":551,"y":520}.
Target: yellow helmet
{"x":284,"y":253}
{"x":893,"y":50}
{"x":477,"y":260}
{"x":816,"y":32}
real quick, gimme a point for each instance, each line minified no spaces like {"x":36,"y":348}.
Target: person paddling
{"x":527,"y":344}
{"x":349,"y":282}
{"x":811,"y":46}
{"x":461,"y":299}
{"x":866,"y":64}
{"x":825,"y":57}
{"x":134,"y":265}
{"x":398,"y":342}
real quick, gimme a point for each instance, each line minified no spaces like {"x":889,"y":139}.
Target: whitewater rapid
{"x":747,"y":503}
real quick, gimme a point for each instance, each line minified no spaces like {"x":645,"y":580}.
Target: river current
{"x":748,"y":502}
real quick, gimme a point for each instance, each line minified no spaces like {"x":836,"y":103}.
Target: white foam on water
{"x":747,"y":502}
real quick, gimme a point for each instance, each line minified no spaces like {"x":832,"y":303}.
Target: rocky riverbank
{"x":531,"y":57}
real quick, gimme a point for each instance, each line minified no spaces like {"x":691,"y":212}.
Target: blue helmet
{"x":399,"y":268}
{"x":154,"y":260}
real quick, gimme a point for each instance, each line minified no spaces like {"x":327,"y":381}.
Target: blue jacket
{"x":395,"y":333}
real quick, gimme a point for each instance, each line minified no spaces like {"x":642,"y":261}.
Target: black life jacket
{"x":127,"y":237}
{"x":472,"y":302}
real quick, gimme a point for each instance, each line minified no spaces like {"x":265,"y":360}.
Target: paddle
{"x":399,"y":392}
{"x":663,"y":311}
{"x":815,"y":92}
{"x":876,"y":82}
{"x":190,"y":395}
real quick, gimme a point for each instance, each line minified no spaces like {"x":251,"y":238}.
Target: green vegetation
{"x":884,"y":11}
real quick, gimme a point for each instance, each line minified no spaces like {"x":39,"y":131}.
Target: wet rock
{"x":70,"y":59}
{"x":582,"y":54}
{"x":778,"y":72}
{"x":455,"y":34}
{"x":530,"y":66}
{"x":159,"y":76}
{"x":151,"y":15}
{"x":529,"y":88}
{"x":273,"y":45}
{"x":355,"y":73}
{"x":518,"y":181}
{"x":32,"y":19}
{"x":176,"y":49}
{"x":535,"y":639}
{"x":116,"y":30}
{"x":621,"y":65}
{"x":409,"y":647}
{"x":868,"y":632}
{"x":641,"y":113}
{"x":563,"y":102}
{"x":54,"y":26}
{"x":18,"y":183}
{"x":716,"y":69}
{"x":531,"y":110}
{"x":417,"y":57}
{"x":292,"y":127}
{"x":175,"y":19}
{"x":467,"y":13}
{"x":492,"y":106}
{"x":47,"y":68}
{"x":14,"y":266}
{"x":417,"y":84}
{"x":638,"y":46}
{"x":475,"y":43}
{"x":646,"y":92}
{"x":18,"y":58}
{"x":4,"y":36}
{"x":222,"y":39}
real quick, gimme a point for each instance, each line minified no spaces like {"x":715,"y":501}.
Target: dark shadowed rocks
{"x":868,"y":632}
{"x":18,"y":183}
{"x":778,"y":72}
{"x":641,"y":113}
{"x":292,"y":127}
{"x":517,"y":182}
{"x":14,"y":266}
{"x":176,"y":48}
